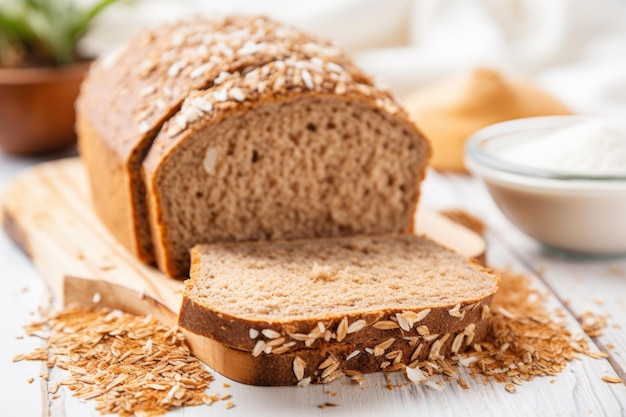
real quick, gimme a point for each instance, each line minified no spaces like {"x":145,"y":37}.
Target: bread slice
{"x":374,"y":295}
{"x":247,"y":129}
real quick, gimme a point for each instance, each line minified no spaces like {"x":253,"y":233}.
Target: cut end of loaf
{"x":304,"y":167}
{"x":328,"y":278}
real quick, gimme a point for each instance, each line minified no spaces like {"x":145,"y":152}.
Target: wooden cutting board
{"x":47,"y":212}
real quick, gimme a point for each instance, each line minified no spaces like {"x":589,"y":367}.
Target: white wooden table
{"x":576,"y":285}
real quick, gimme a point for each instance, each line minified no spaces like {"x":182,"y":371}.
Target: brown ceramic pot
{"x":37,"y":107}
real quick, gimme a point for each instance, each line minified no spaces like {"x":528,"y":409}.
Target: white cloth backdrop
{"x":575,"y":49}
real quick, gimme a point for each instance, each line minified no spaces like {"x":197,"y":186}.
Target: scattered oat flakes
{"x":612,"y":380}
{"x":524,"y":340}
{"x":304,"y":382}
{"x":456,"y":311}
{"x":229,"y":405}
{"x":352,"y":355}
{"x":385,"y":325}
{"x":510,"y":388}
{"x":356,"y":376}
{"x":104,"y":353}
{"x":462,"y":382}
{"x":210,"y":399}
{"x":593,"y":324}
{"x":270,"y":334}
{"x":342,"y":329}
{"x":389,"y":381}
{"x":30,"y":380}
{"x":598,"y":355}
{"x":298,"y":367}
{"x":415,"y":374}
{"x":356,"y":326}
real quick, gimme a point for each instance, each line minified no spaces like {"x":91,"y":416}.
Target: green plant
{"x":43,"y":32}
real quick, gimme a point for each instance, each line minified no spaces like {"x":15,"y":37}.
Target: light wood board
{"x":47,"y":211}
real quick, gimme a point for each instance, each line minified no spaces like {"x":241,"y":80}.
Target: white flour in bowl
{"x":593,"y":147}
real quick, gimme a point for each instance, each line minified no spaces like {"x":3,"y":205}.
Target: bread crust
{"x":278,"y":369}
{"x":234,"y":331}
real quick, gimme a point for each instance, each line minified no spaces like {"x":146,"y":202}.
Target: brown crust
{"x":110,"y":186}
{"x":277,"y":369}
{"x":235,"y":331}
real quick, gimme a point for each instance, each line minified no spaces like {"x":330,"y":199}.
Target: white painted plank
{"x":22,"y":290}
{"x":567,"y":396}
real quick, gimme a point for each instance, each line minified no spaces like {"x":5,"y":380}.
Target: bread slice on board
{"x":245,"y":129}
{"x":374,"y":295}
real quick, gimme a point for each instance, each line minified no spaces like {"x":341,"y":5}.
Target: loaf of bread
{"x":242,"y":129}
{"x":356,"y":299}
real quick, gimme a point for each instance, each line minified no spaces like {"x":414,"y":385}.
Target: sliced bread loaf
{"x":350,"y":293}
{"x":247,"y":129}
{"x":266,"y":156}
{"x":128,"y":95}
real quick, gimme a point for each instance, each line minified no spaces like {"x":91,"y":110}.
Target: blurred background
{"x":573,"y":50}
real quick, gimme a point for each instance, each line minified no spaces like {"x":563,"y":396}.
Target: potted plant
{"x":41,"y":71}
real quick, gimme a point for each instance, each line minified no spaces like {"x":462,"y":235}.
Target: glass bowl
{"x":583,"y":213}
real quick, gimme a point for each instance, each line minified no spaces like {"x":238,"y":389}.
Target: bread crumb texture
{"x":325,"y":278}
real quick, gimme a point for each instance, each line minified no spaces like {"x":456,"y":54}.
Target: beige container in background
{"x":450,"y":111}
